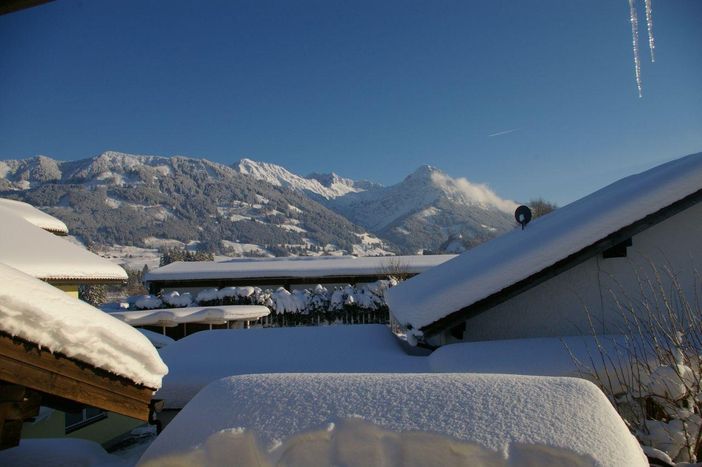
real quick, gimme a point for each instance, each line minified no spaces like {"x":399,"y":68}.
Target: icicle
{"x":635,"y":43}
{"x":649,"y":25}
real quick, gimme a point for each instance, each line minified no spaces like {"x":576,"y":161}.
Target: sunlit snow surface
{"x":33,"y":215}
{"x":203,"y":357}
{"x":42,"y":314}
{"x":393,"y":420}
{"x":43,"y":255}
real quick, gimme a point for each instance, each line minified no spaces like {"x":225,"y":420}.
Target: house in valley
{"x":291,"y":273}
{"x":568,"y":272}
{"x":30,"y":245}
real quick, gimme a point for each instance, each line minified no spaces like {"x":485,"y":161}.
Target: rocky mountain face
{"x":316,"y":186}
{"x":427,"y":208}
{"x":123,"y":199}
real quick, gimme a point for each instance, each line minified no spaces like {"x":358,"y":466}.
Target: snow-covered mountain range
{"x":320,"y":186}
{"x":254,"y":207}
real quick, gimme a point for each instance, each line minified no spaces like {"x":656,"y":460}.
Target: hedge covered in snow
{"x":363,"y":303}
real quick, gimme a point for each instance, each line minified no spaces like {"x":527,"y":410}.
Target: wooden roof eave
{"x":267,"y":280}
{"x":57,"y":232}
{"x":26,"y":364}
{"x":481,"y":306}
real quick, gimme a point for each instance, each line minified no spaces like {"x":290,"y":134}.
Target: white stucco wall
{"x":558,"y":306}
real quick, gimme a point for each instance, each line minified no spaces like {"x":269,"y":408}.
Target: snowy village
{"x":209,"y":311}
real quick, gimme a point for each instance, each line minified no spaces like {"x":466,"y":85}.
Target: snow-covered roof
{"x":33,"y":215}
{"x":315,"y":266}
{"x":202,"y":314}
{"x":396,"y":419}
{"x":196,"y":360}
{"x":45,"y":256}
{"x":517,"y":255}
{"x":40,"y":313}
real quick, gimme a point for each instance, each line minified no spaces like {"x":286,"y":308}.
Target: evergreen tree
{"x":94,"y":294}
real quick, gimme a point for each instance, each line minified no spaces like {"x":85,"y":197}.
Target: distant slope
{"x":426,"y":209}
{"x":325,"y":186}
{"x":124,"y":199}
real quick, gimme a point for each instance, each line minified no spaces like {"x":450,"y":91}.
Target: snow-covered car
{"x":397,"y":419}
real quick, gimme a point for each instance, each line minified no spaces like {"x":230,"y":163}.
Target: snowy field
{"x":197,"y":360}
{"x":350,"y":395}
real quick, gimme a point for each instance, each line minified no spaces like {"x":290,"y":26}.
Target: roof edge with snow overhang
{"x":34,"y":216}
{"x":295,"y":269}
{"x":509,"y":265}
{"x":45,"y":256}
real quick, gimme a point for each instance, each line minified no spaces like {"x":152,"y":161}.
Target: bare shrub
{"x":541,"y":207}
{"x":395,"y":269}
{"x":653,"y":378}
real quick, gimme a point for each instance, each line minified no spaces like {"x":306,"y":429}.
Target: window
{"x":77,"y":420}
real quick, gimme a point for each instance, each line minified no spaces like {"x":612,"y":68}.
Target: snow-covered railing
{"x":168,"y":317}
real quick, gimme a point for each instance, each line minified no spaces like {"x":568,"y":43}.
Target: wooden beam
{"x":17,"y":404}
{"x":28,"y":365}
{"x":10,"y":433}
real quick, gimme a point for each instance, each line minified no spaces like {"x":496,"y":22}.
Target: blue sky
{"x":533,"y":98}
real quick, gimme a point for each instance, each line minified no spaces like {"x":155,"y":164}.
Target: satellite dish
{"x":523,"y":215}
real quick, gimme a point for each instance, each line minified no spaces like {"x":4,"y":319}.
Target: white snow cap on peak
{"x":280,"y":176}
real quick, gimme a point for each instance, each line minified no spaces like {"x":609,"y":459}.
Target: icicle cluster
{"x":635,"y":43}
{"x":649,"y":25}
{"x":634,"y":20}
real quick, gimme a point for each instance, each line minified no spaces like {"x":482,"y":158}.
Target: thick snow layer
{"x":176,"y":299}
{"x":63,"y":452}
{"x":203,"y":357}
{"x":45,"y":256}
{"x":195,"y":314}
{"x":579,"y":356}
{"x":40,"y":313}
{"x":506,"y":260}
{"x":148,"y":302}
{"x":33,"y":215}
{"x":397,"y":420}
{"x":157,"y":340}
{"x":326,"y":266}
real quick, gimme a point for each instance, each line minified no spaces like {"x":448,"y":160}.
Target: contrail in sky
{"x":506,"y":132}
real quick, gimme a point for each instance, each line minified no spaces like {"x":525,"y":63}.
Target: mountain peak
{"x":329,"y":179}
{"x":327,"y":186}
{"x":423,"y":172}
